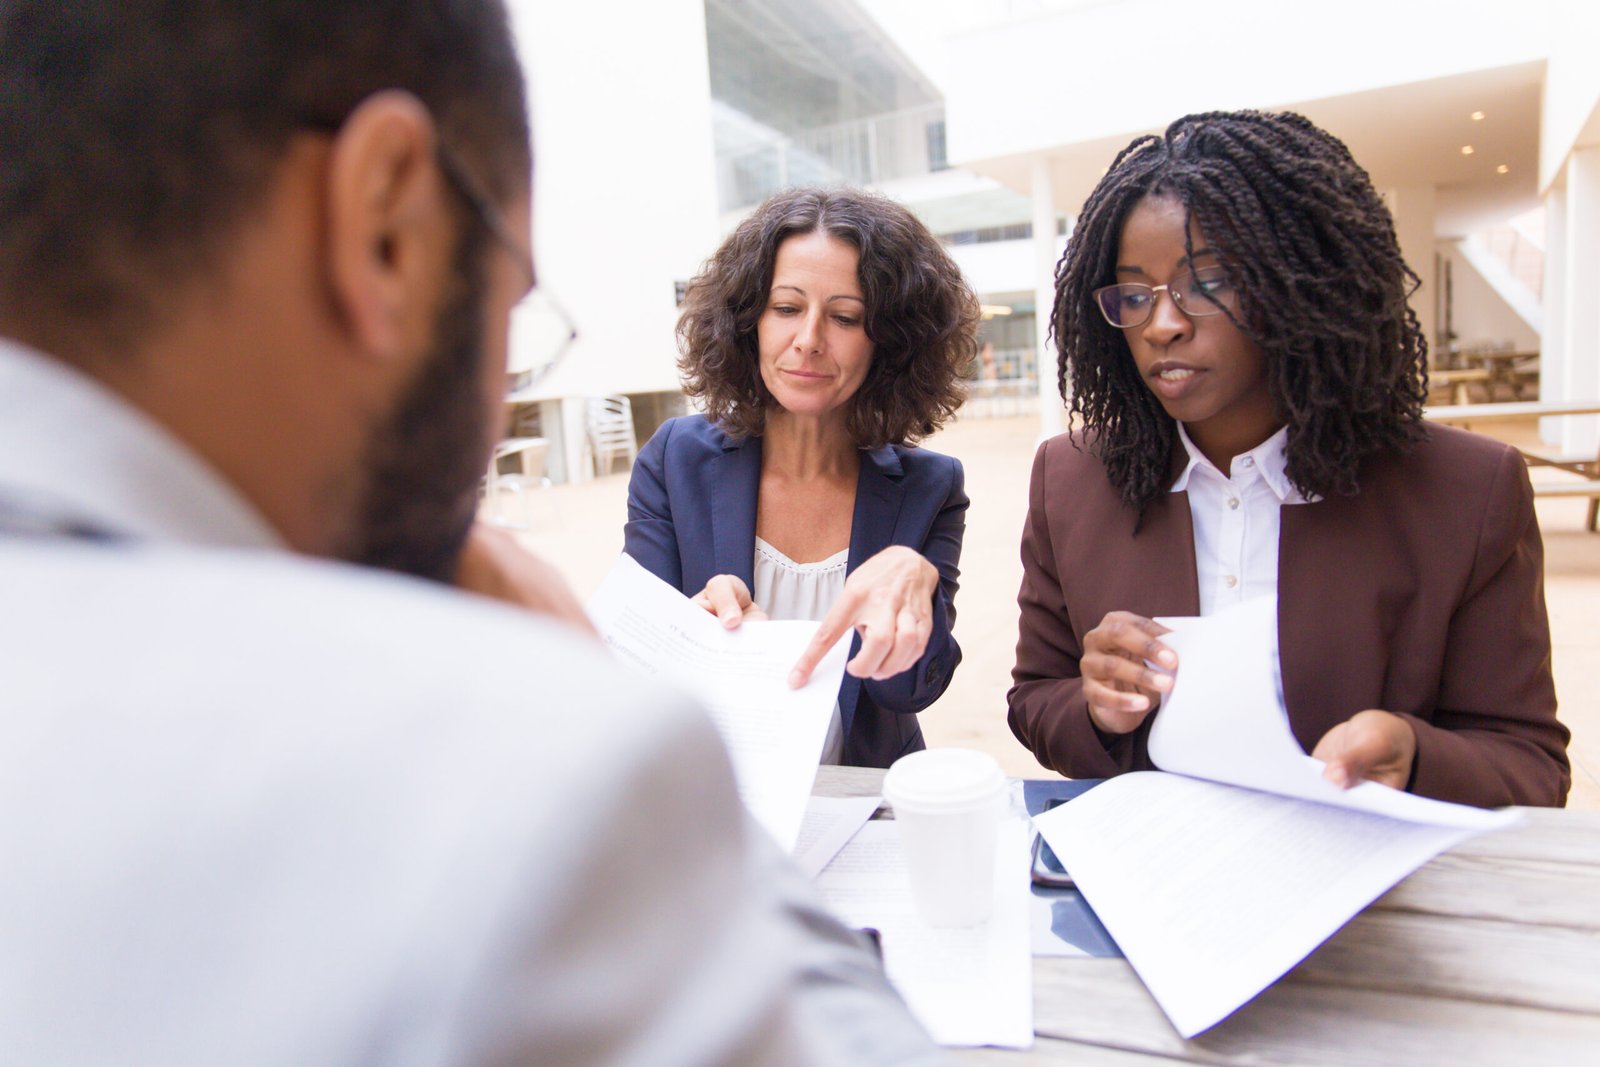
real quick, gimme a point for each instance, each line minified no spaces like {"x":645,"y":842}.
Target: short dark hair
{"x":922,"y":317}
{"x":1300,"y":228}
{"x":135,"y":134}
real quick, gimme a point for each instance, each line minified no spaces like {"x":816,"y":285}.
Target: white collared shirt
{"x":1236,"y":520}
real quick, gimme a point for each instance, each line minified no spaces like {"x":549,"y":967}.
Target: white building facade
{"x":993,"y":119}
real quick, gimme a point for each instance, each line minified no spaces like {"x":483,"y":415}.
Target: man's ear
{"x":386,"y":225}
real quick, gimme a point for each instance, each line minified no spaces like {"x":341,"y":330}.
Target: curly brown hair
{"x":922,"y":317}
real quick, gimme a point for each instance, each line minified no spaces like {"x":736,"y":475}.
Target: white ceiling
{"x":1405,"y":135}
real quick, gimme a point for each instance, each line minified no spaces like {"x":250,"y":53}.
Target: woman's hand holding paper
{"x":1372,"y":745}
{"x":728,"y":598}
{"x":1119,"y":686}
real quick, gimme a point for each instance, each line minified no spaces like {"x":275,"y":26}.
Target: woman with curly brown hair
{"x":825,"y":338}
{"x":1233,"y":323}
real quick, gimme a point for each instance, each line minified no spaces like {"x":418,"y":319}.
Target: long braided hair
{"x":1312,"y":250}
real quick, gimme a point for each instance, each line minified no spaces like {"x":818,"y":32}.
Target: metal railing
{"x":1008,"y":387}
{"x":1519,"y":253}
{"x":899,"y":144}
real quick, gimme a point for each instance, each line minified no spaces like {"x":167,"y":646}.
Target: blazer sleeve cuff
{"x":1063,"y":737}
{"x":1486,"y":771}
{"x":929,"y":677}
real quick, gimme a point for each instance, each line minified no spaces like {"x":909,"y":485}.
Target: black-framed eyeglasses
{"x":493,"y":219}
{"x":1196,"y":292}
{"x":460,"y":179}
{"x":549,"y":331}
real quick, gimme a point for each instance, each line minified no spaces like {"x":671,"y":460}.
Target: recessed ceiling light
{"x":1477,"y":116}
{"x":1467,"y":150}
{"x":1502,"y":169}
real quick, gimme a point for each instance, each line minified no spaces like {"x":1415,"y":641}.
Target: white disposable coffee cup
{"x":947,"y":803}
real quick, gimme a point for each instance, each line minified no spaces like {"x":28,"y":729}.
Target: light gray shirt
{"x":258,"y":809}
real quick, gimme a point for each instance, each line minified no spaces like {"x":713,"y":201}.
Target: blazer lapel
{"x":1169,"y":580}
{"x":1326,"y":569}
{"x":735,"y":480}
{"x":879,"y":496}
{"x":1168,"y":573}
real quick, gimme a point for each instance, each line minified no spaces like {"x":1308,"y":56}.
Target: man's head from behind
{"x":273,"y":226}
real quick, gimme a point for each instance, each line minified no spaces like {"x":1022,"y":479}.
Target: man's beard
{"x":423,"y":465}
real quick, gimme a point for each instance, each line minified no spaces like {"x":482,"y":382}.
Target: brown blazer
{"x":1423,"y":594}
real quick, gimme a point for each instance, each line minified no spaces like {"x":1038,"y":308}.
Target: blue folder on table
{"x":1071,"y":918}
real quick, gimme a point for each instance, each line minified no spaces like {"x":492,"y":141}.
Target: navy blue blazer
{"x":692,"y":516}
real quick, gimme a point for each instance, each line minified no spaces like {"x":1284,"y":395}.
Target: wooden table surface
{"x":1490,"y":954}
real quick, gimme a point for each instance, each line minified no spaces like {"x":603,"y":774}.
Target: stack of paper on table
{"x":829,"y":825}
{"x":774,"y":734}
{"x":1063,"y":922}
{"x":1217,"y":878}
{"x":969,"y":986}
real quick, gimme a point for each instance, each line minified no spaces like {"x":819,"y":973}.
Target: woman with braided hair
{"x":1235,"y":340}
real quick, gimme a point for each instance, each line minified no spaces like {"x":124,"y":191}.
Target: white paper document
{"x":774,"y":734}
{"x":1220,"y":877}
{"x":967,"y":987}
{"x":830,"y":823}
{"x":1225,"y":721}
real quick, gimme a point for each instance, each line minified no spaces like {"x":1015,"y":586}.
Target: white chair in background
{"x":531,"y":454}
{"x":610,"y":428}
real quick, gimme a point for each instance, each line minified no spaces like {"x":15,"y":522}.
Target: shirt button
{"x":1249,"y":461}
{"x":1231,"y":581}
{"x":1233,"y":503}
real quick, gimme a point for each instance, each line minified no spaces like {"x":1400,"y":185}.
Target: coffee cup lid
{"x":942,"y":778}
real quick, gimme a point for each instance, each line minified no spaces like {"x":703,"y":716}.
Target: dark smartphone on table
{"x":1048,"y":869}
